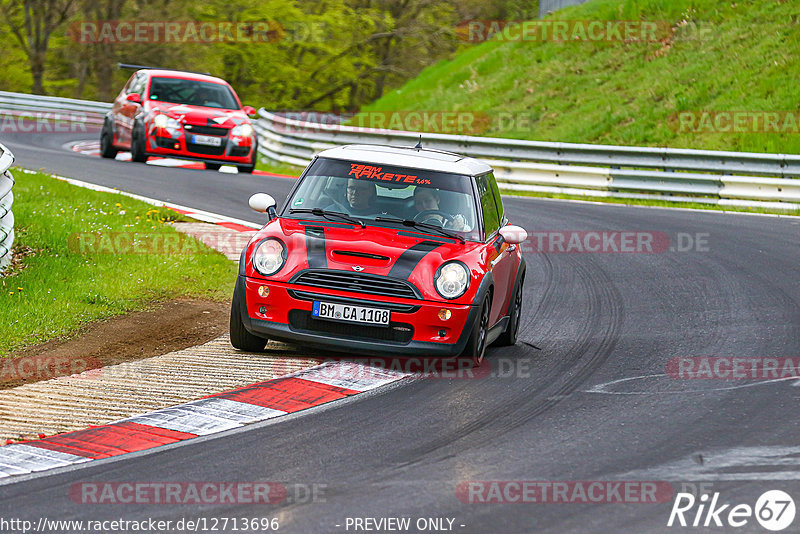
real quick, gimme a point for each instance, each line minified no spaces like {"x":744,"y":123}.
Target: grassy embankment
{"x":83,"y":255}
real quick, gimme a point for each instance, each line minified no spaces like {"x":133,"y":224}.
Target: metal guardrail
{"x":550,"y":6}
{"x":682,"y":175}
{"x":730,"y":178}
{"x":6,"y":199}
{"x":56,"y":108}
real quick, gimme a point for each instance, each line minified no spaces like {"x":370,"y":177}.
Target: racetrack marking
{"x":769,"y":463}
{"x":92,"y":148}
{"x":218,"y":412}
{"x":603,"y":388}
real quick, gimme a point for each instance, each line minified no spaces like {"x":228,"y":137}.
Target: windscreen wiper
{"x":417,"y":224}
{"x":319,"y":212}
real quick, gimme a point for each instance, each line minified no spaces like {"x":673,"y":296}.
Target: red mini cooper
{"x":179,"y":114}
{"x":386,"y":251}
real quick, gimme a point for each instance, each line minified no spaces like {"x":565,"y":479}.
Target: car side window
{"x":498,"y":200}
{"x":491,"y":217}
{"x":138,"y":86}
{"x":127,"y":88}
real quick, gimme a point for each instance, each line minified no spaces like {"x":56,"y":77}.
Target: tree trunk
{"x":37,"y":70}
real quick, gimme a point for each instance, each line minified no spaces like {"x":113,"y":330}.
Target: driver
{"x":428,"y":199}
{"x":205,"y":97}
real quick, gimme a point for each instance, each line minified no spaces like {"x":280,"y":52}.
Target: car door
{"x":501,"y":262}
{"x":128,"y":110}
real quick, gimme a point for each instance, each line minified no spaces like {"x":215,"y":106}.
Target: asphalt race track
{"x":590,"y":319}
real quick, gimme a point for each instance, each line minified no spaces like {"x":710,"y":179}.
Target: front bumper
{"x":228,"y":152}
{"x":286,"y":317}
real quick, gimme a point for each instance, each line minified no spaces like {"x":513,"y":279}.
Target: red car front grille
{"x":198,"y":129}
{"x":356,"y":282}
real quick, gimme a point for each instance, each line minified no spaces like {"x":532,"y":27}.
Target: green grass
{"x":738,"y":56}
{"x":60,"y":286}
{"x":276,"y":167}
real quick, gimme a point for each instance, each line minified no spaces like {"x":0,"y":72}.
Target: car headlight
{"x":269,"y":256}
{"x":452,"y":280}
{"x":243,"y":130}
{"x":162,"y":121}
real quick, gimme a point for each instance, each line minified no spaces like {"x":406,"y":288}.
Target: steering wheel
{"x":427,"y":215}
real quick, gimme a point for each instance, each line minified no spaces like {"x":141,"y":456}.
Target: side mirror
{"x":134,"y":97}
{"x":513,"y":235}
{"x":249,"y":110}
{"x":263,"y":203}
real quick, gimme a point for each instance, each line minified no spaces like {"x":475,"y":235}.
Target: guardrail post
{"x":6,"y":215}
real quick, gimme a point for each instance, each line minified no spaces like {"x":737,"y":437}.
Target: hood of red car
{"x":404,"y":254}
{"x":227,"y":118}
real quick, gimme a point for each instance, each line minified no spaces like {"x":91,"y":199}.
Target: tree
{"x":32,"y":23}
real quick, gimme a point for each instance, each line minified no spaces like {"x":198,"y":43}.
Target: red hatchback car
{"x":182,"y":115}
{"x":383,"y":250}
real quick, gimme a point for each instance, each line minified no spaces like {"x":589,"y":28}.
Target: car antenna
{"x":419,"y":143}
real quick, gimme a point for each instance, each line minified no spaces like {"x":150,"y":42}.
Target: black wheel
{"x":240,"y":338}
{"x":138,"y":145}
{"x":509,"y":337}
{"x":476,"y":346}
{"x":107,"y":149}
{"x":213,"y":166}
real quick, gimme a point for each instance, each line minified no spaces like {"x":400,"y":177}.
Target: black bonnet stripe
{"x":409,"y":259}
{"x":315,"y":247}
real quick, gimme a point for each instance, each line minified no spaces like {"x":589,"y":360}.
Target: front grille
{"x":205,"y":149}
{"x":205,"y":130}
{"x":360,"y":283}
{"x":300,"y":320}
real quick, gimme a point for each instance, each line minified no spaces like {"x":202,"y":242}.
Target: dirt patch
{"x":169,"y":326}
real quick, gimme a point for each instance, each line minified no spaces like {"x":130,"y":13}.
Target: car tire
{"x":509,"y":337}
{"x":240,"y":338}
{"x":107,"y":149}
{"x":138,"y":145}
{"x":476,"y":345}
{"x":213,"y":166}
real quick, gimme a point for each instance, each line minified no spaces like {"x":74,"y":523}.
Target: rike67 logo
{"x":774,"y":510}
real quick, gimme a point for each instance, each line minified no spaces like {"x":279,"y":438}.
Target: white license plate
{"x":351,"y":314}
{"x":206,"y":140}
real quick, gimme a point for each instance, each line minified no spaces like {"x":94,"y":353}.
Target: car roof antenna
{"x":419,"y":144}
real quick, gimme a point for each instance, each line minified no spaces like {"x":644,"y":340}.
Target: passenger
{"x":361,"y":197}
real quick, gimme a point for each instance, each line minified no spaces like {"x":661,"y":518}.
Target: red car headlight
{"x":242,"y":130}
{"x":269,"y":256}
{"x":452,"y":280}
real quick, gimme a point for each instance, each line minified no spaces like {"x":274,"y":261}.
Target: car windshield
{"x":192,"y":92}
{"x":372,"y":192}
